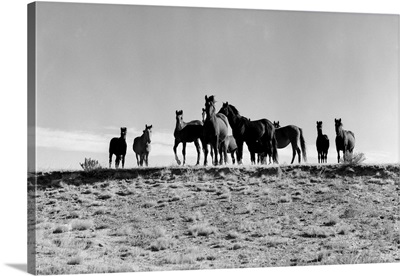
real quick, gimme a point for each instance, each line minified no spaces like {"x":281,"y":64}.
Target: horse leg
{"x":215,"y":149}
{"x":141,"y":159}
{"x":338,"y":156}
{"x":252,"y":157}
{"x":239,"y":154}
{"x":205,"y":150}
{"x":184,"y":152}
{"x":299,"y":154}
{"x":176,"y":156}
{"x":225,"y":151}
{"x":147,"y":159}
{"x":117,"y":161}
{"x":110,"y":160}
{"x":137,"y":160}
{"x":123,"y":160}
{"x":196,"y":143}
{"x":220,"y":153}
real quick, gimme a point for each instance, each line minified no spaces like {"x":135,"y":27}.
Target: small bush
{"x":90,"y":165}
{"x":161,"y":244}
{"x":81,"y":225}
{"x":75,"y":261}
{"x":354,"y":158}
{"x":61,"y":229}
{"x":202,"y":229}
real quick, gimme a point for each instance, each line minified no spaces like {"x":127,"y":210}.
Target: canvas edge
{"x":31,"y":166}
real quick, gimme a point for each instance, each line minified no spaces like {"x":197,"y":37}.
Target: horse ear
{"x":206,"y":97}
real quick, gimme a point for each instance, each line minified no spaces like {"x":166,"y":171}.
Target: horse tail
{"x":274,"y":149}
{"x":303,"y":145}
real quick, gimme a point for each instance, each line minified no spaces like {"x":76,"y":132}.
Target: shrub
{"x":202,"y":229}
{"x":81,"y":225}
{"x":90,"y":165}
{"x":354,"y":158}
{"x":161,"y":244}
{"x":75,"y":261}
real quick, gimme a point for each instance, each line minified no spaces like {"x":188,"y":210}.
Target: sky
{"x":101,"y":67}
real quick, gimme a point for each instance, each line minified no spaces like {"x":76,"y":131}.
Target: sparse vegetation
{"x":81,"y":225}
{"x":222,"y":218}
{"x":90,"y":165}
{"x":354,"y":158}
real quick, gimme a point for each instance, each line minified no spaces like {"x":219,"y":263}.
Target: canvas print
{"x":171,"y":138}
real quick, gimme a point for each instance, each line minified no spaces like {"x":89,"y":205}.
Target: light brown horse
{"x":230,"y":144}
{"x":345,"y":140}
{"x":215,"y":131}
{"x":141,"y":146}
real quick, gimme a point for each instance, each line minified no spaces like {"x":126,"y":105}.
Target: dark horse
{"x":215,"y":131}
{"x":345,"y":140}
{"x":187,"y":133}
{"x":141,"y":146}
{"x":259,"y":135}
{"x":118,"y":147}
{"x":230,"y":143}
{"x":322,"y":144}
{"x":293,"y":135}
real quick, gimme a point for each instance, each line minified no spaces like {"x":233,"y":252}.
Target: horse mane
{"x":234,"y":109}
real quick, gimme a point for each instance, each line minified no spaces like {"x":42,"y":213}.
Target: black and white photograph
{"x":192,"y":138}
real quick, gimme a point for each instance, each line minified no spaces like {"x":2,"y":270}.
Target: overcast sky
{"x":100,"y":67}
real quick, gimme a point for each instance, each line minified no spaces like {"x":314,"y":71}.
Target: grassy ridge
{"x":175,"y":218}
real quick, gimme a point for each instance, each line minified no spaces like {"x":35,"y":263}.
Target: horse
{"x":187,"y":133}
{"x":345,"y":140}
{"x":259,"y":135}
{"x":293,"y":135}
{"x":141,"y":146}
{"x":118,"y":147}
{"x":322,"y":144}
{"x":230,"y":143}
{"x":215,"y":131}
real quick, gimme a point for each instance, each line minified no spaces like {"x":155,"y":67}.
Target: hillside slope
{"x":216,"y":217}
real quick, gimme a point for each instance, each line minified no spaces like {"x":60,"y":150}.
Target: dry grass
{"x":225,"y":217}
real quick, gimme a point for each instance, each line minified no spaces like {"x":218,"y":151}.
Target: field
{"x":176,"y":218}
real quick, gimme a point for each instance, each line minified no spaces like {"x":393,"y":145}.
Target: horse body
{"x":141,"y":146}
{"x":293,"y":135}
{"x":345,"y":140}
{"x":322,"y":144}
{"x":229,"y":143}
{"x":259,"y":135}
{"x":215,"y":131}
{"x":187,"y":133}
{"x":118,"y":147}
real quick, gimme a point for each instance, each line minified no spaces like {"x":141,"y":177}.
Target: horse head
{"x":179,"y":115}
{"x":338,"y":125}
{"x":276,"y":124}
{"x":203,"y":114}
{"x":123,"y":132}
{"x":319,"y":124}
{"x":147,"y":134}
{"x":210,"y":105}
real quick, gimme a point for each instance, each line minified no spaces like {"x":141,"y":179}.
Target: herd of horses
{"x":262,"y":138}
